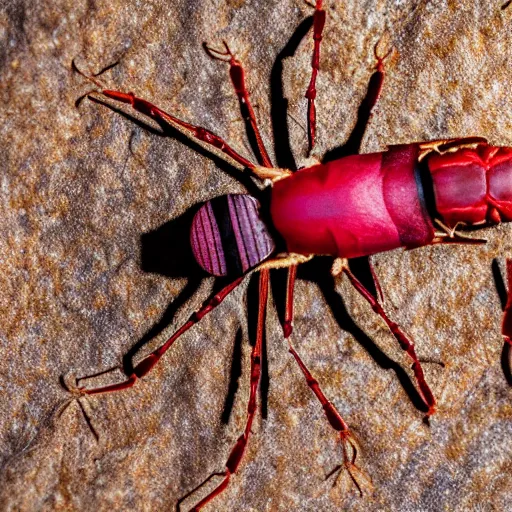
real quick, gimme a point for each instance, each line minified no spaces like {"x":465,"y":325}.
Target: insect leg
{"x":353,"y":144}
{"x":158,"y":115}
{"x":237,"y":75}
{"x":348,"y":445}
{"x":405,"y":343}
{"x":333,"y":416}
{"x":147,"y":364}
{"x":376,"y":81}
{"x":318,"y":26}
{"x":237,"y":452}
{"x":288,"y":310}
{"x":192,"y":131}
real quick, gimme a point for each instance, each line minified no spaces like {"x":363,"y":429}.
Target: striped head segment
{"x":228,"y":236}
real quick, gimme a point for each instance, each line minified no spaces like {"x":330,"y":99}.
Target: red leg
{"x":318,"y":26}
{"x":376,"y":80}
{"x":197,"y":132}
{"x":506,"y":327}
{"x":237,"y":75}
{"x":352,"y":145}
{"x":374,"y":86}
{"x":237,"y":452}
{"x":334,"y":418}
{"x":288,"y":311}
{"x":375,"y":280}
{"x":193,"y":131}
{"x":147,"y":364}
{"x":405,"y":343}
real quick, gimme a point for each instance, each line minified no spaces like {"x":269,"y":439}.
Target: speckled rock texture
{"x":95,"y":266}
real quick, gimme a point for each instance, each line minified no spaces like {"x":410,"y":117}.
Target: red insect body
{"x":355,"y":206}
{"x":365,"y":204}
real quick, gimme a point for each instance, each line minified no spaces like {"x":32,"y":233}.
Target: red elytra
{"x":409,"y":196}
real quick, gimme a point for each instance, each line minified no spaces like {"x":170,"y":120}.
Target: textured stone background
{"x":80,"y":285}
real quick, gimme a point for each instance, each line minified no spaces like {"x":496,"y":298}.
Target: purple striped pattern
{"x":206,"y":242}
{"x":228,"y":237}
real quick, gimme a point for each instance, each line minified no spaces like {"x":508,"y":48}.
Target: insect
{"x":409,"y":196}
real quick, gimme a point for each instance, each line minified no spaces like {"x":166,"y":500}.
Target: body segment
{"x":473,"y":186}
{"x":355,"y":206}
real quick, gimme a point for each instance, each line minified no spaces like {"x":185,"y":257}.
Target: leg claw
{"x":76,"y":390}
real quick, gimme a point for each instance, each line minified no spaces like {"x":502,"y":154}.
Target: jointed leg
{"x":237,"y":452}
{"x":237,"y":75}
{"x":288,"y":311}
{"x":147,"y":364}
{"x":376,"y":81}
{"x":353,"y":144}
{"x":193,"y":131}
{"x":348,"y":446}
{"x":318,"y":26}
{"x":197,"y":132}
{"x":405,"y":343}
{"x":333,"y":416}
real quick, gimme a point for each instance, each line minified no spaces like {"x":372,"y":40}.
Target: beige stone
{"x":81,"y":186}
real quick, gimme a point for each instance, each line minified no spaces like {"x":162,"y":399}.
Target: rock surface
{"x":93,"y":260}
